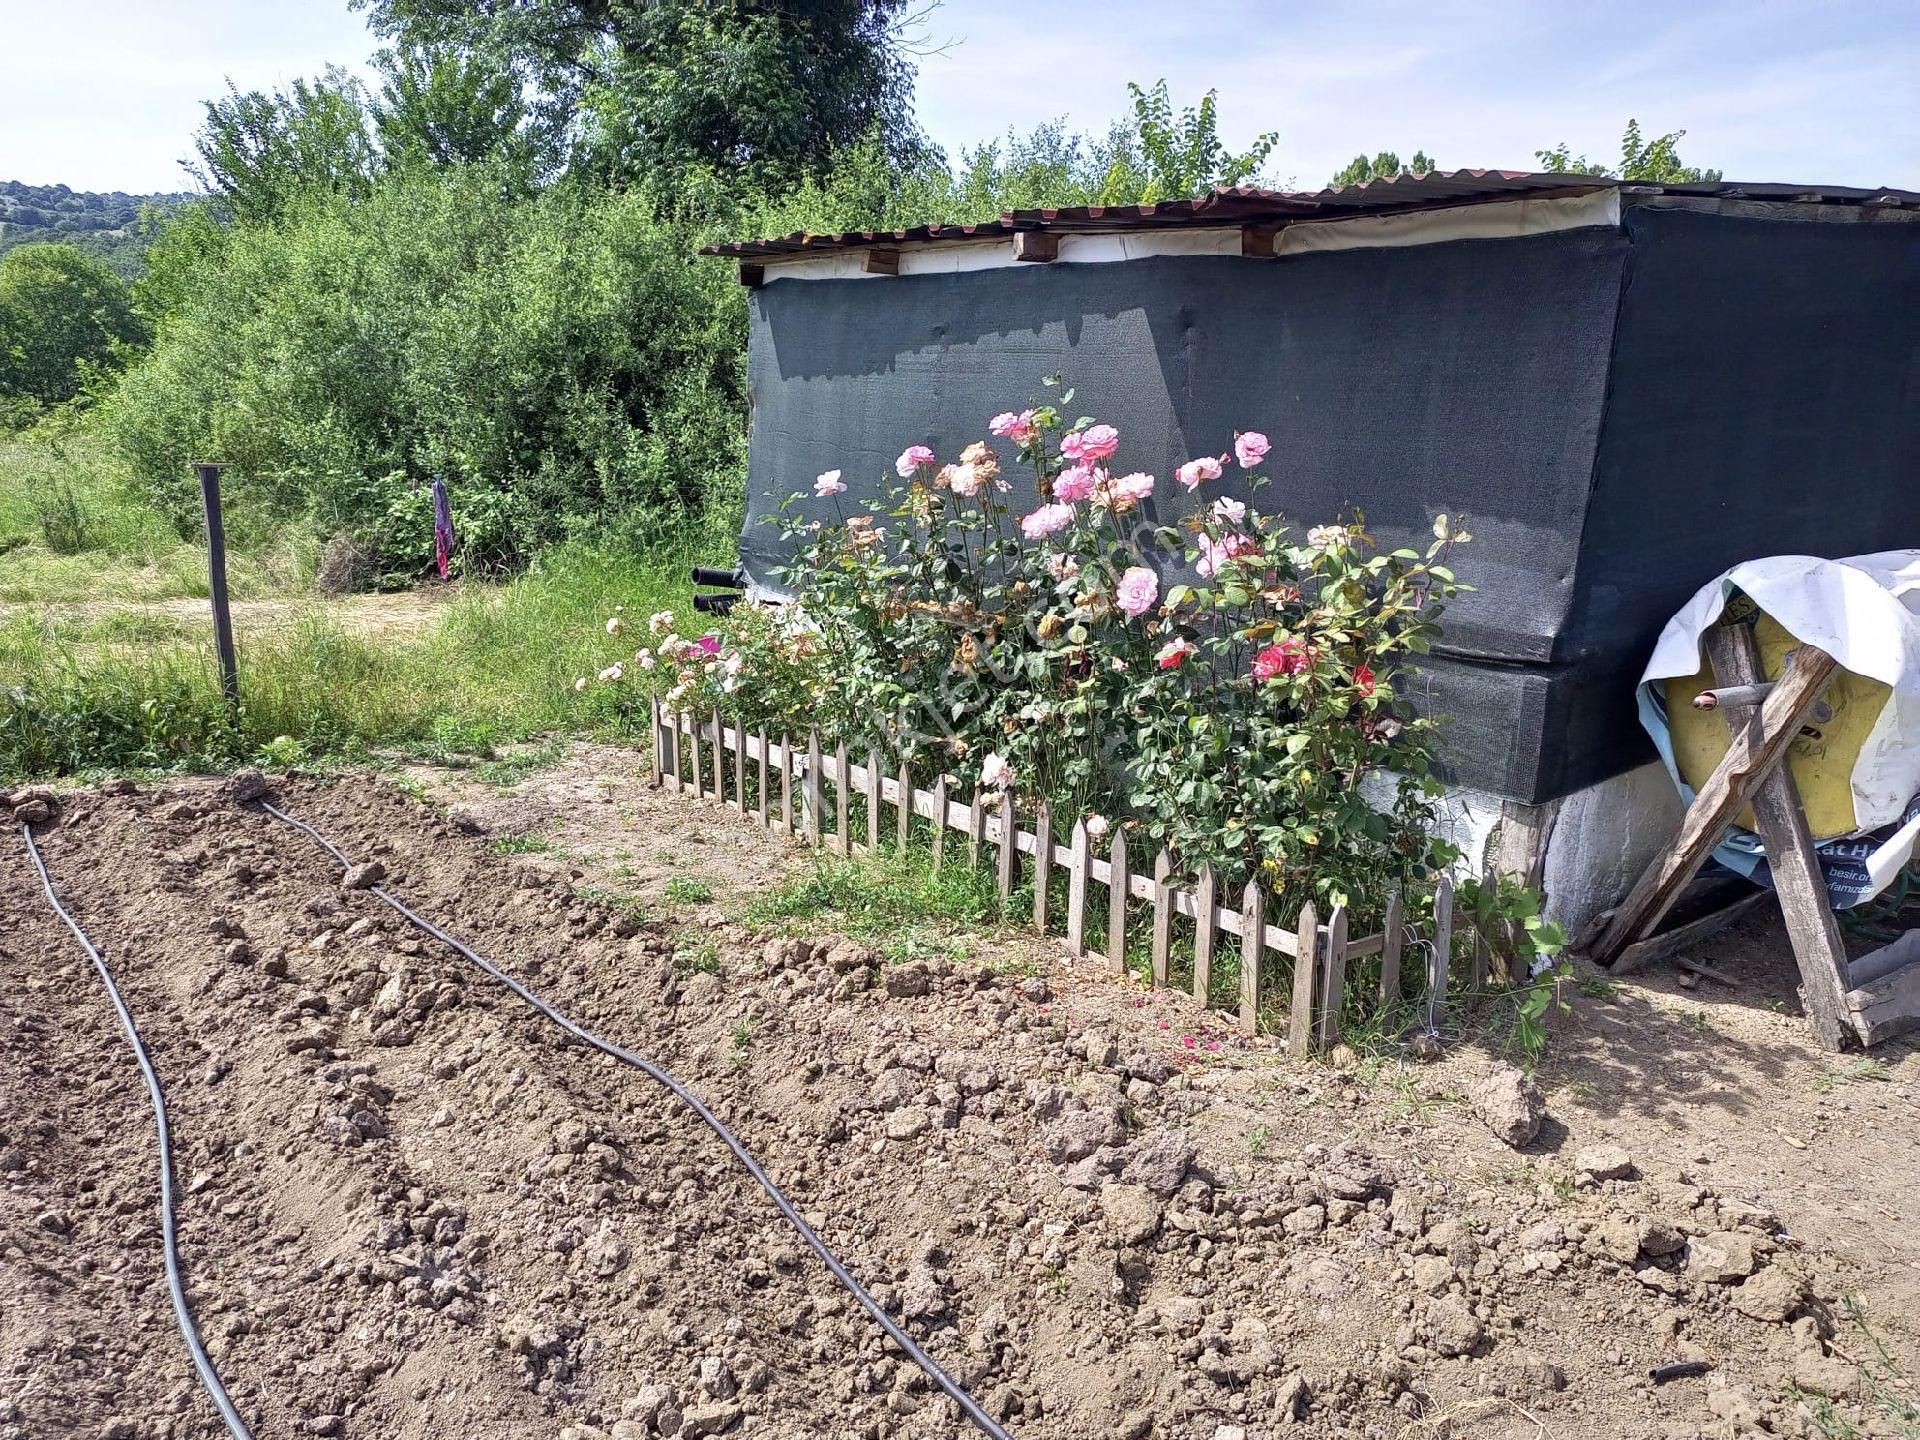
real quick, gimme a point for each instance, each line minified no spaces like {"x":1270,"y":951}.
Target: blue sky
{"x":104,"y":94}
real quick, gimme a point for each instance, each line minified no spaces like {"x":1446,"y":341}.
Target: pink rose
{"x":1284,"y":657}
{"x":1097,"y":442}
{"x":1216,"y":553}
{"x":829,"y":484}
{"x":1250,"y":448}
{"x":1229,"y":511}
{"x":1175,"y":652}
{"x":1135,"y":487}
{"x":911,"y":459}
{"x":964,"y":479}
{"x":1077,"y":483}
{"x":1047,"y":520}
{"x":1018,"y":428}
{"x":708,"y":644}
{"x":1194,"y":471}
{"x":1139,"y":587}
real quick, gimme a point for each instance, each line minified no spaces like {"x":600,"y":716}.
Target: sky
{"x":105,"y":94}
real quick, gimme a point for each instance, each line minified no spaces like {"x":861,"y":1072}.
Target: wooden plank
{"x":881,"y":260}
{"x":1440,"y":961}
{"x":905,"y":806}
{"x":718,"y":736}
{"x":740,"y":765}
{"x":1253,"y":951}
{"x":659,"y":749}
{"x":1042,"y":864}
{"x":1669,"y":943}
{"x":939,"y":819}
{"x":1008,"y":861}
{"x":976,"y":828}
{"x":842,"y":841}
{"x":693,"y":755}
{"x":786,"y":786}
{"x":813,"y":788}
{"x":761,"y":736}
{"x":1205,"y":906}
{"x":1079,"y":853}
{"x":1306,"y":955}
{"x":1333,"y":987}
{"x":1393,"y":934}
{"x":1040,"y":246}
{"x":873,"y":799}
{"x":1797,"y":878}
{"x":1117,"y":892}
{"x":1162,"y":918}
{"x":1885,"y":1007}
{"x":1749,"y":759}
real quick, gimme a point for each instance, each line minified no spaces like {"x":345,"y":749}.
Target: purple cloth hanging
{"x":442,"y":525}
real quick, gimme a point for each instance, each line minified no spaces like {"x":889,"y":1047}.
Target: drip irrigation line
{"x":968,"y":1405}
{"x":209,"y":1377}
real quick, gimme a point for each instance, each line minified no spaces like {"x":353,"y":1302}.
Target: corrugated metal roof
{"x":1249,"y":205}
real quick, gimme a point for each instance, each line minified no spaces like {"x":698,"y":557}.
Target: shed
{"x":1625,"y":387}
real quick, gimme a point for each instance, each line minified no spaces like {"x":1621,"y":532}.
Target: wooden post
{"x":719,"y":760}
{"x":1305,"y":972}
{"x":1117,"y":904}
{"x":786,"y":786}
{"x":1755,"y":751}
{"x":1009,"y":859}
{"x":905,"y":817}
{"x":1442,"y":959}
{"x":813,"y":788}
{"x":1392,"y":936}
{"x":939,"y":819}
{"x":1333,"y":990}
{"x":659,"y":750}
{"x":1077,"y":867}
{"x":740,"y":765}
{"x":1797,"y":878}
{"x":1162,"y":917}
{"x":1205,"y":904}
{"x":976,"y":828}
{"x":873,"y":792}
{"x":1042,"y":864}
{"x":693,"y":754}
{"x":1253,"y":950}
{"x":209,"y":473}
{"x":764,"y":802}
{"x":843,"y":841}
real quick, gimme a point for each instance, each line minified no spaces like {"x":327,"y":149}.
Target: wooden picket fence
{"x":710,"y":757}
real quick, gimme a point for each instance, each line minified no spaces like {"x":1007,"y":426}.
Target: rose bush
{"x":1227,"y":687}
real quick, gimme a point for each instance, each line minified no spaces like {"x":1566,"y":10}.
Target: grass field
{"x":98,"y":673}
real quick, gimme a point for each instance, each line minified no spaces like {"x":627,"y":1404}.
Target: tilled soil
{"x":412,"y":1207}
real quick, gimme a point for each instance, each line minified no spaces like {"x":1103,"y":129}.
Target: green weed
{"x":1598,"y":987}
{"x":521,"y":845}
{"x":701,"y":957}
{"x":1867,"y":1069}
{"x":684,"y":890}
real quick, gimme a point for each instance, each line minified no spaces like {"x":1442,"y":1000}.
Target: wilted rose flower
{"x":1097,"y":827}
{"x":1078,"y":482}
{"x":643,"y":658}
{"x":1062,"y":567}
{"x":911,"y":459}
{"x":1139,"y":587}
{"x":612,"y":673}
{"x":1327,"y":537}
{"x":995,"y":772}
{"x":1174,"y":652}
{"x":580,"y":685}
{"x":1194,"y":471}
{"x":660,"y":622}
{"x":1047,"y":520}
{"x":829,"y":484}
{"x":1250,"y":448}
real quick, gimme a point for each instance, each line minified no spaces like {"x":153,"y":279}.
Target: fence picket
{"x":693,"y":754}
{"x":659,"y":750}
{"x":976,"y":828}
{"x":939,"y":820}
{"x":1009,"y":857}
{"x":1392,"y":937}
{"x":904,"y":820}
{"x":1440,"y":961}
{"x":873,"y":799}
{"x":842,"y":841}
{"x":1077,"y":889}
{"x":1306,"y":953}
{"x":1333,"y":987}
{"x":1042,"y":864}
{"x":1253,"y":950}
{"x":1117,"y":888}
{"x":786,"y":786}
{"x":813,"y":788}
{"x":1162,"y":918}
{"x":740,"y":766}
{"x":761,"y":807}
{"x":1204,"y":906}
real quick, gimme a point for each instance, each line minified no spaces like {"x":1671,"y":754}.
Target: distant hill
{"x":106,"y":224}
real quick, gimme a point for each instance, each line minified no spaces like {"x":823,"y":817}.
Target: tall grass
{"x":498,"y":667}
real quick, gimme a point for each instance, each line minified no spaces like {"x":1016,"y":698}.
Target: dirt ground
{"x":411,"y":1208}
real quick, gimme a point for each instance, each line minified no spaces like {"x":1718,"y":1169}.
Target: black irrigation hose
{"x":201,"y":1362}
{"x":926,"y":1362}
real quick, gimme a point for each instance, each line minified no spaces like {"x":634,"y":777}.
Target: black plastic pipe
{"x":209,"y":1377}
{"x":968,"y":1405}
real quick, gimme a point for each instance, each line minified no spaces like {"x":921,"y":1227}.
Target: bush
{"x":1233,"y":717}
{"x":63,"y":316}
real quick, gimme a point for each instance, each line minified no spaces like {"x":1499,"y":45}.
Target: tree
{"x":1383,"y":166}
{"x":258,"y":150}
{"x":757,"y":86}
{"x":1656,"y":161}
{"x":1182,"y":155}
{"x":61,"y":312}
{"x":449,"y":107}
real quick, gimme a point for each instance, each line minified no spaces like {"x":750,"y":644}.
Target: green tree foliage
{"x":1383,"y":166}
{"x":447,"y":107}
{"x":260,"y":153}
{"x":1181,"y":154}
{"x":1656,"y":161}
{"x":770,"y":87}
{"x":63,"y":314}
{"x":110,"y":225}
